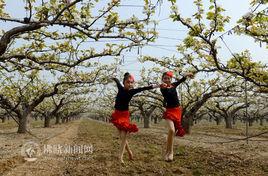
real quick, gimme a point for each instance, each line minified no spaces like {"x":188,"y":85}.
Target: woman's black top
{"x":170,"y":95}
{"x":123,"y":96}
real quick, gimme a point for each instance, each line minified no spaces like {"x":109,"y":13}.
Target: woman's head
{"x":128,"y":81}
{"x":167,"y":77}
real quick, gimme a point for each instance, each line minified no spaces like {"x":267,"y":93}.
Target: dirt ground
{"x":195,"y":154}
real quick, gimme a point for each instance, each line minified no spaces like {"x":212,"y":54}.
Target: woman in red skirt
{"x":173,"y":112}
{"x":120,"y":117}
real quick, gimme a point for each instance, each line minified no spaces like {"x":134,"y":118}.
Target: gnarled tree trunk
{"x":261,"y":121}
{"x":47,"y":121}
{"x":155,"y":120}
{"x":24,"y":122}
{"x":3,"y":119}
{"x":228,"y":122}
{"x":186,"y":123}
{"x":146,"y":121}
{"x":57,"y":119}
{"x":218,"y":121}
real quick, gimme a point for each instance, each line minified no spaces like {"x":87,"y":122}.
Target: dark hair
{"x":165,"y":73}
{"x":168,"y":73}
{"x":126,"y":76}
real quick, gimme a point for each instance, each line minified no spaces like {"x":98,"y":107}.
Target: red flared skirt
{"x":175,"y":114}
{"x":120,"y":120}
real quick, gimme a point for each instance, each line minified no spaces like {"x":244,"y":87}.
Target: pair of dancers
{"x":121,"y":117}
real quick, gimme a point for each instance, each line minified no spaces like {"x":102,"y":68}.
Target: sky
{"x":171,"y":33}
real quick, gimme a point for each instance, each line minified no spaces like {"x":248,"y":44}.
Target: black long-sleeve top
{"x":124,"y":96}
{"x":170,"y":95}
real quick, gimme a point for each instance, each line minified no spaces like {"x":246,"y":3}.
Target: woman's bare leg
{"x":130,"y":154}
{"x":122,"y":146}
{"x":170,"y":140}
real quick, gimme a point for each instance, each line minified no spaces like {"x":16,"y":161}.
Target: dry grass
{"x":147,"y":146}
{"x":192,"y":155}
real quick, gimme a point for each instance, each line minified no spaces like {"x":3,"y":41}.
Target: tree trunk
{"x":23,"y":124}
{"x":234,"y":120}
{"x":186,"y":123}
{"x":146,"y":121}
{"x":3,"y":119}
{"x":141,"y":119}
{"x":218,"y":121}
{"x":63,"y":119}
{"x":250,"y":122}
{"x":261,"y":121}
{"x":57,"y":120}
{"x":155,"y":120}
{"x":210,"y":119}
{"x":47,"y":121}
{"x":228,"y":123}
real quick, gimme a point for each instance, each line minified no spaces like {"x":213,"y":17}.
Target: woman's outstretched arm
{"x":179,"y":81}
{"x":118,"y":84}
{"x":140,"y":89}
